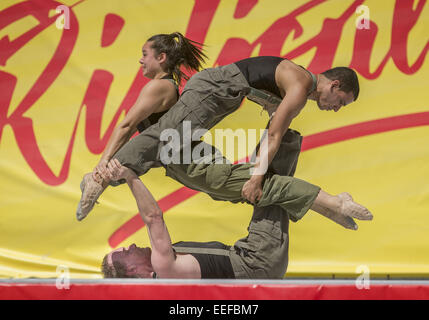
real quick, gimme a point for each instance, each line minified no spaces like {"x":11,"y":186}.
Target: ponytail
{"x":180,"y":51}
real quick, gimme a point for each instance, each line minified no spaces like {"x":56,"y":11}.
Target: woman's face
{"x":150,"y":61}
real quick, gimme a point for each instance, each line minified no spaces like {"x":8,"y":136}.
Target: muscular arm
{"x":163,"y":257}
{"x":288,"y":109}
{"x":156,"y":96}
{"x":164,"y":260}
{"x":295,"y":84}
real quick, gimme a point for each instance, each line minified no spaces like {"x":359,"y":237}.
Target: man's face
{"x":150,"y":62}
{"x":133,"y":260}
{"x":332,"y":98}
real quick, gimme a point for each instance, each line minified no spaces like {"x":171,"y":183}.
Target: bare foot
{"x":340,"y":209}
{"x":336,"y":216}
{"x":349,"y":208}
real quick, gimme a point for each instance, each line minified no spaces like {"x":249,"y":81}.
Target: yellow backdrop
{"x":67,"y":80}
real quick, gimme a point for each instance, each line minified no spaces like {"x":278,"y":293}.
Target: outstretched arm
{"x":163,"y":258}
{"x":151,"y":213}
{"x":156,"y":96}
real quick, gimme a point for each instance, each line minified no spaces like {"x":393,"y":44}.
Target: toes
{"x":351,"y":224}
{"x":79,"y":214}
{"x":353,"y":209}
{"x":368,"y":215}
{"x":362,"y":214}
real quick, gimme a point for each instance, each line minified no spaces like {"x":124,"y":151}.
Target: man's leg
{"x":264,"y":252}
{"x":340,"y":209}
{"x":225,"y":181}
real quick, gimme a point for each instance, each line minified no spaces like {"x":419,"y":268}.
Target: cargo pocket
{"x":171,"y":119}
{"x":199,"y":107}
{"x":215,"y":74}
{"x":259,"y":274}
{"x":217,"y":175}
{"x":227,"y":93}
{"x":264,"y":236}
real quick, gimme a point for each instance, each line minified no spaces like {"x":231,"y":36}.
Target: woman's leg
{"x":201,"y":106}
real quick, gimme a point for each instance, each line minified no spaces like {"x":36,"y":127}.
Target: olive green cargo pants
{"x":263,"y":253}
{"x":222,"y":181}
{"x":208,"y":97}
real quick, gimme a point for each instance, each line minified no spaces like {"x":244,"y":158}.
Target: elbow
{"x":274,"y":136}
{"x":154,"y":216}
{"x":274,"y":139}
{"x":125,"y":130}
{"x":127,"y":126}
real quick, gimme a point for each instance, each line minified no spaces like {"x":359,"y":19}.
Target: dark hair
{"x":118,"y":269}
{"x":108,"y":270}
{"x":347,"y":77}
{"x":180,"y":51}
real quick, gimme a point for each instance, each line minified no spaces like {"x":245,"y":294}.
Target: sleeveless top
{"x":154,"y":117}
{"x":213,"y":258}
{"x":260,"y":73}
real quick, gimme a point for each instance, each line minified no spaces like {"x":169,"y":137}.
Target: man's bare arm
{"x":294,"y":82}
{"x":163,"y":257}
{"x":288,"y":109}
{"x":164,"y":260}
